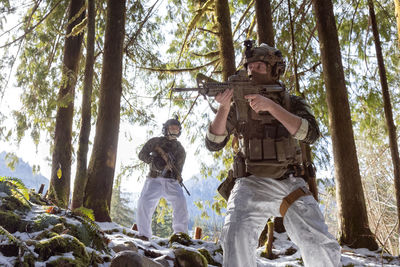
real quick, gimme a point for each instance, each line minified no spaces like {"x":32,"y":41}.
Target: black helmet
{"x":171,"y":122}
{"x":267,"y":54}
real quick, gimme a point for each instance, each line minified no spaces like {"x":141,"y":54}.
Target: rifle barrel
{"x":185,"y":89}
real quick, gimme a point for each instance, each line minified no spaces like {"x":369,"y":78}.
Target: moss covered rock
{"x":58,"y":228}
{"x":11,"y":221}
{"x":62,"y":244}
{"x":27,"y":261}
{"x":45,"y":220}
{"x":208,"y":257}
{"x":46,"y":234}
{"x":12,"y":203}
{"x":181,"y":238}
{"x":89,"y":234}
{"x":37,"y":198}
{"x":65,"y":262}
{"x":132,"y":258}
{"x":188,"y":258}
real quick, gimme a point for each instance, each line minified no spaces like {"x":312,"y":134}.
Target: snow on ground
{"x":158,"y":248}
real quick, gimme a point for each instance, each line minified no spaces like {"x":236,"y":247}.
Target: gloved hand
{"x":158,"y":162}
{"x":149,"y":159}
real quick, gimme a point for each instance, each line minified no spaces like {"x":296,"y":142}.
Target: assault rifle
{"x":241,"y":86}
{"x":170,"y":166}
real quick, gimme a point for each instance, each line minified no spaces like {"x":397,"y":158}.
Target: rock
{"x":129,"y":258}
{"x":62,"y":244}
{"x":126,"y":246}
{"x":188,"y":258}
{"x":163,"y":260}
{"x":11,"y":221}
{"x":181,"y":238}
{"x":9,"y":250}
{"x":208,"y":257}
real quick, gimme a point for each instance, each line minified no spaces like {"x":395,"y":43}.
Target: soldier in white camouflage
{"x":162,"y":181}
{"x":267,"y":168}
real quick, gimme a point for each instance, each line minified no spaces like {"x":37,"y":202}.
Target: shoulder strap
{"x":286,"y":100}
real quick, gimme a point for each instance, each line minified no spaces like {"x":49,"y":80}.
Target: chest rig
{"x":265,"y":147}
{"x":157,"y":166}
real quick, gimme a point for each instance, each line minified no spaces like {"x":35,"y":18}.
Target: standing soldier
{"x":165,"y":156}
{"x":267,"y":167}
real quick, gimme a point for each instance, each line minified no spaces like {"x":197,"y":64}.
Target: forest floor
{"x":45,"y":228}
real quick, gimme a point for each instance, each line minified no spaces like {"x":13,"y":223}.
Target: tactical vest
{"x":266,"y":148}
{"x":158,"y":164}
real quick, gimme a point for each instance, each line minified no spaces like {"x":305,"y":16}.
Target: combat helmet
{"x":169,"y":122}
{"x":267,"y":54}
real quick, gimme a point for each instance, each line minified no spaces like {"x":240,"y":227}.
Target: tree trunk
{"x":226,"y":50}
{"x":102,"y":162}
{"x":265,"y":32}
{"x":353,"y":220}
{"x":81,"y":159}
{"x":61,"y":160}
{"x":387,"y":105}
{"x":397,"y":12}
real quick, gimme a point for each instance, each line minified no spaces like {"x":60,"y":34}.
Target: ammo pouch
{"x":225,"y":188}
{"x":239,"y":170}
{"x":271,"y":157}
{"x":239,"y":166}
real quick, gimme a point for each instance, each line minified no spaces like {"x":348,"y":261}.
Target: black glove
{"x":158,"y":162}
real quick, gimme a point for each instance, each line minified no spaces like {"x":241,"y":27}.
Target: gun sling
{"x":292,"y":197}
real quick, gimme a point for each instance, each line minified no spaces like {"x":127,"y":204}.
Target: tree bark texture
{"x":59,"y":188}
{"x":353,"y":219}
{"x":81,"y":159}
{"x":265,"y":31}
{"x":387,"y":105}
{"x":397,"y":12}
{"x":102,"y":162}
{"x":227,"y":52}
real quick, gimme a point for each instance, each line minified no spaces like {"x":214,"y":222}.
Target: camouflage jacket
{"x":308,"y":132}
{"x":154,"y":159}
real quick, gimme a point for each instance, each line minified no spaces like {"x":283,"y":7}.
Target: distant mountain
{"x":24,"y":172}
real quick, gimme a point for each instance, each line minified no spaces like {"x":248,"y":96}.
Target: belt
{"x":293,"y":170}
{"x":157,"y":173}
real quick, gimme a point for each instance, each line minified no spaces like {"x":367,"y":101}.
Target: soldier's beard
{"x":173,"y":134}
{"x":172,"y":137}
{"x":260,"y":78}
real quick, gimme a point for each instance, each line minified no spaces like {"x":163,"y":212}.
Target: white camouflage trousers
{"x":252,"y":201}
{"x":153,"y":190}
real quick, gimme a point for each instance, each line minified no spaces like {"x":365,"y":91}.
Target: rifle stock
{"x":171,"y":166}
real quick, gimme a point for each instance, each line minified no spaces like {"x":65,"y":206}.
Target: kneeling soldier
{"x":267,"y":168}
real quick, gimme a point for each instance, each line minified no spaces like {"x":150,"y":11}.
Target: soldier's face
{"x":173,"y":129}
{"x":257,"y":66}
{"x":260,"y":72}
